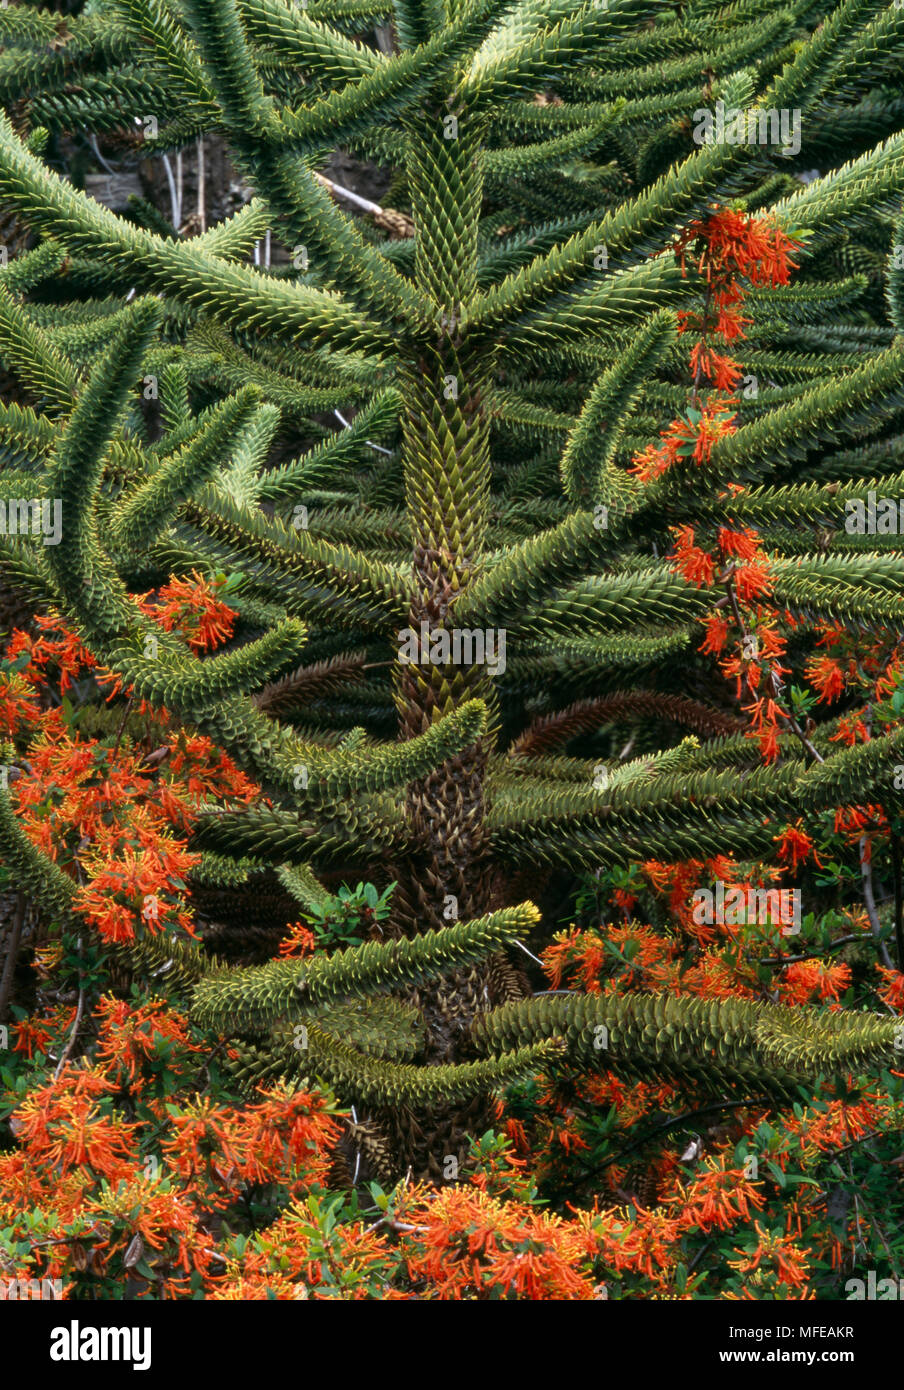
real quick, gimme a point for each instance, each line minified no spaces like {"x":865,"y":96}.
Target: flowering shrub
{"x":347,"y":960}
{"x":115,"y":814}
{"x":136,"y":1169}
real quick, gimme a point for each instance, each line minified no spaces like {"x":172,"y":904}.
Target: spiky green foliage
{"x":280,"y":989}
{"x":718,"y":1043}
{"x":31,"y":870}
{"x":503,"y":373}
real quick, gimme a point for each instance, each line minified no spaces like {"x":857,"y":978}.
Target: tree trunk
{"x":447,"y":479}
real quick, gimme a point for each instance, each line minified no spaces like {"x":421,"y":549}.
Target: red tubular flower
{"x":191,"y":606}
{"x":717,"y":630}
{"x":892,"y":991}
{"x":300,"y":941}
{"x":689,"y":560}
{"x":808,"y":979}
{"x":752,"y":581}
{"x":744,"y":544}
{"x":826,"y":676}
{"x":795,"y":847}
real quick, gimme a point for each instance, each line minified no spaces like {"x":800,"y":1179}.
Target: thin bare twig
{"x":77,"y":1023}
{"x":899,"y":897}
{"x":12,"y":955}
{"x":202,"y":188}
{"x":179,"y":183}
{"x":863,"y":1139}
{"x":121,"y":730}
{"x":685,"y":1118}
{"x":393,"y":221}
{"x":866,"y":873}
{"x":808,"y":955}
{"x":521,"y":946}
{"x":174,"y":198}
{"x":869,"y":901}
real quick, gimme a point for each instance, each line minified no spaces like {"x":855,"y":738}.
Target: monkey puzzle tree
{"x":523,"y":358}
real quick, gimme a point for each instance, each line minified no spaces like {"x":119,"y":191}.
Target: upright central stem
{"x":446,"y":448}
{"x":447,"y":478}
{"x":444,"y":381}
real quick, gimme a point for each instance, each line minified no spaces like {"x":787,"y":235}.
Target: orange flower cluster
{"x":813,"y":981}
{"x":795,"y":847}
{"x":891,"y":992}
{"x":304,"y":1254}
{"x":777,"y":1260}
{"x":739,"y":563}
{"x":647,"y":1240}
{"x":286,"y":1133}
{"x":129,"y":1037}
{"x":63,"y":1128}
{"x":59,"y":648}
{"x":731,"y":251}
{"x":726,"y":248}
{"x":299,"y":941}
{"x":191,"y":606}
{"x":133,"y":1198}
{"x":839,"y":1122}
{"x":690,"y":436}
{"x":473,"y":1246}
{"x":114,"y":817}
